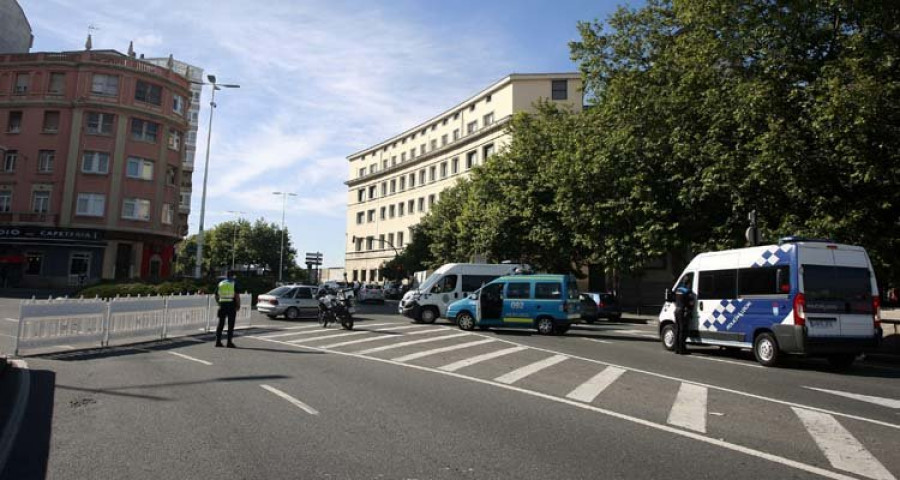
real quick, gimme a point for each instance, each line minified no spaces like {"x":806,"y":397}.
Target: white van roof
{"x":770,"y":255}
{"x":477,"y":267}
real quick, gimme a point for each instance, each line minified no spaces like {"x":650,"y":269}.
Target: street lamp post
{"x":198,"y":269}
{"x":284,"y":196}
{"x":234,"y":235}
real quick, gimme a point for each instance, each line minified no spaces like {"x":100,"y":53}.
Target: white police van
{"x":801,"y":296}
{"x":448,"y":284}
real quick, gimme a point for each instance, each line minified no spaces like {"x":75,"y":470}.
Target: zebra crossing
{"x":480,"y":357}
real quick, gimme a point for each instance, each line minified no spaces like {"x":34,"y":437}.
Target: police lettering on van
{"x":801,"y":296}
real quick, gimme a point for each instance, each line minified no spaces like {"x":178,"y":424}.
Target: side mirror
{"x":670,"y":295}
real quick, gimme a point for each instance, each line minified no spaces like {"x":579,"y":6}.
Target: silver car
{"x":292,"y":301}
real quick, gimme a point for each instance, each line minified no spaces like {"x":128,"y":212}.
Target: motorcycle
{"x":335,"y":307}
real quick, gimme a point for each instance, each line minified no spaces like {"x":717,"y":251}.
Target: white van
{"x":801,"y":296}
{"x":448,"y":284}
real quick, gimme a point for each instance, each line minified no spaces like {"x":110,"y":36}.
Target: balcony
{"x":29,"y":218}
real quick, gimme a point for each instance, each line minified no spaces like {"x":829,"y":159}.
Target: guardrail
{"x":67,"y":323}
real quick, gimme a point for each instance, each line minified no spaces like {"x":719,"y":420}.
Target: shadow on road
{"x":118,"y":390}
{"x":28,"y":459}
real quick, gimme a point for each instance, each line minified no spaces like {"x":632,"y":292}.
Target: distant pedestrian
{"x":229,"y":302}
{"x":684,"y":310}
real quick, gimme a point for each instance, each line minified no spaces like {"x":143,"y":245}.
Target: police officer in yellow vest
{"x":229,"y":303}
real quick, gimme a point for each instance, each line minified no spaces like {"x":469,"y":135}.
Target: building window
{"x":45,"y":160}
{"x":402,"y":183}
{"x":381,"y":245}
{"x":422,"y":177}
{"x":107,"y":85}
{"x":168,"y":213}
{"x":431,"y":200}
{"x":372,"y":168}
{"x":384,"y":164}
{"x":400,"y":208}
{"x":487,"y":151}
{"x":422,"y":149}
{"x":9,"y":160}
{"x":410,"y":206}
{"x":51,"y":121}
{"x":95,"y":162}
{"x":454,"y":165}
{"x":22,"y":83}
{"x":372,"y":192}
{"x":472,"y":127}
{"x":470,"y":159}
{"x":361,"y":195}
{"x":178,"y":104}
{"x":393,"y":160}
{"x":148,"y":93}
{"x":189,"y":157}
{"x":360,"y":216}
{"x":136,"y":209}
{"x":185,"y":200}
{"x":383,"y":189}
{"x":14,"y":124}
{"x":372,"y":274}
{"x":390,"y":239}
{"x":402,"y":157}
{"x":383,"y":213}
{"x":358,"y":249}
{"x":57,"y":83}
{"x":370,"y":215}
{"x":139,"y":168}
{"x":5,"y":201}
{"x":144,"y":130}
{"x":412,"y":180}
{"x":455,"y":134}
{"x":90,"y":204}
{"x":392,"y":211}
{"x":399,"y":239}
{"x":560,"y":90}
{"x":34,"y":262}
{"x":79,"y":264}
{"x":40,"y":201}
{"x":443,"y":169}
{"x":443,"y":139}
{"x":421,"y":204}
{"x":191,"y":139}
{"x":432,"y":173}
{"x":393,"y":186}
{"x":488,"y":119}
{"x":171,"y":174}
{"x":362,"y":172}
{"x":434,"y":145}
{"x":362,"y":275}
{"x":99,"y":123}
{"x":412,"y":154}
{"x":174,"y":139}
{"x":370,"y":241}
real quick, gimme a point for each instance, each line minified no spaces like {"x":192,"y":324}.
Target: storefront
{"x":48,"y":257}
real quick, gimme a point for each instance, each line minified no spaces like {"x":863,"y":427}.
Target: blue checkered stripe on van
{"x":774,"y":255}
{"x":722,"y":315}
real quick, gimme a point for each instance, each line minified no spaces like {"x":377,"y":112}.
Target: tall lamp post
{"x":234,"y":235}
{"x":284,"y":196}
{"x":198,"y":269}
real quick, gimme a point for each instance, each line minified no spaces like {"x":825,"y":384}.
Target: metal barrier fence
{"x":69,"y":323}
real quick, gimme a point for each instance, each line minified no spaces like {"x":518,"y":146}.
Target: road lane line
{"x":297,"y":403}
{"x":689,"y":409}
{"x":722,"y":360}
{"x":597,"y":340}
{"x":187,"y":357}
{"x":480,"y":358}
{"x":412,"y":342}
{"x":742,"y":393}
{"x":13,"y":424}
{"x":588,"y":391}
{"x":620,"y":416}
{"x":841,"y":448}
{"x":518,"y":374}
{"x":14,"y":320}
{"x":436,"y":351}
{"x":884,"y":402}
{"x":375,"y":338}
{"x":329,"y":337}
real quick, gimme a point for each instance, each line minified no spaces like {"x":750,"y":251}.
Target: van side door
{"x":490,"y":304}
{"x":517,"y":305}
{"x":716,"y":304}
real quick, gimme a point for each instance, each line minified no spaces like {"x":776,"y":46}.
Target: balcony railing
{"x":28,"y":217}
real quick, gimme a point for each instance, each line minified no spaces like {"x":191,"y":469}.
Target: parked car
{"x":292,"y":301}
{"x":371,"y":293}
{"x":596,"y":305}
{"x":392,"y":290}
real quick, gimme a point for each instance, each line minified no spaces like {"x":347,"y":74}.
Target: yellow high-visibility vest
{"x":226,"y":291}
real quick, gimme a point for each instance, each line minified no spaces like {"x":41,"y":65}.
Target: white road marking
{"x":621,"y":416}
{"x":689,"y":409}
{"x":884,"y":402}
{"x":329,"y":337}
{"x":324,"y":332}
{"x":518,"y":374}
{"x":187,"y":357}
{"x":375,"y":338}
{"x":841,"y":448}
{"x":597,"y":340}
{"x":297,"y":403}
{"x":5,"y":335}
{"x":14,"y":320}
{"x":191,"y":339}
{"x":436,"y":351}
{"x":722,"y":360}
{"x":412,"y":342}
{"x":302,"y":327}
{"x":279,"y":335}
{"x":588,"y":391}
{"x":8,"y":435}
{"x":480,"y":358}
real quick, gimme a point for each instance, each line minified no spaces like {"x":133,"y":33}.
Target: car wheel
{"x":842,"y":361}
{"x":292,"y":314}
{"x":545,"y":326}
{"x":428,"y":315}
{"x":465,"y":321}
{"x":765,"y":349}
{"x":668,"y":337}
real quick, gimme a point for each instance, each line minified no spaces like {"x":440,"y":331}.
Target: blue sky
{"x":319,"y":80}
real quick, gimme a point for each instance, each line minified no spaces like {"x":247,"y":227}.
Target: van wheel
{"x":428,"y":315}
{"x":545,"y":326}
{"x":765,"y":349}
{"x":292,"y":314}
{"x":465,"y":321}
{"x":668,"y":337}
{"x":841,"y":361}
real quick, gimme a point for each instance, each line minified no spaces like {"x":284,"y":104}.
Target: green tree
{"x":414,"y":257}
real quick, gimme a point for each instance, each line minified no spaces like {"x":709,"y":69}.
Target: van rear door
{"x":838,"y":293}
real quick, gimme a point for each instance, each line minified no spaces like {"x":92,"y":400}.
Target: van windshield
{"x":831,"y":289}
{"x":430,"y":281}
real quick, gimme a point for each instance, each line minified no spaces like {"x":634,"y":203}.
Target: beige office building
{"x":394,"y":183}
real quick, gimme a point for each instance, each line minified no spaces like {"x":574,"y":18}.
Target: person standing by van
{"x":684,"y":308}
{"x":229,"y":302}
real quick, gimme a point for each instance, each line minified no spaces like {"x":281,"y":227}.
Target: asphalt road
{"x":396,"y":400}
